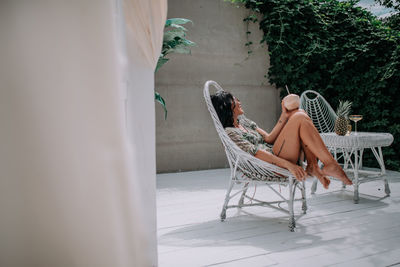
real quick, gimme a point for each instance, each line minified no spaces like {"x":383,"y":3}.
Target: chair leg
{"x":383,"y":170}
{"x":314,"y":186}
{"x":303,"y":198}
{"x":292,"y":222}
{"x":241,"y":200}
{"x":315,"y":182}
{"x":227,"y":198}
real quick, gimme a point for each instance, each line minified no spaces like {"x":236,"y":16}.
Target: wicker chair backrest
{"x":249,"y":165}
{"x":319,"y":110}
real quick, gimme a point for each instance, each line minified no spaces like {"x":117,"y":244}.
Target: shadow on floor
{"x":269,"y":230}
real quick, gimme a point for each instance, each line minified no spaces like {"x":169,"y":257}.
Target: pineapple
{"x":343,"y":117}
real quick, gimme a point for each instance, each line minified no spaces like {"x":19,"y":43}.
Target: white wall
{"x":187,"y":140}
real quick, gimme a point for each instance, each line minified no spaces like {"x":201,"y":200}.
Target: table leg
{"x":355,"y":182}
{"x":379,"y":158}
{"x":383,"y":171}
{"x":345,"y":158}
{"x":344,"y":161}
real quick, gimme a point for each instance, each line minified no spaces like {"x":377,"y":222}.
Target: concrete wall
{"x":187,"y":140}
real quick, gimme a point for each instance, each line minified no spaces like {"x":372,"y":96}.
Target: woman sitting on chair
{"x":293,"y":131}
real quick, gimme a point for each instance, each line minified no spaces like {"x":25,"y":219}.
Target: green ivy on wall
{"x":340,"y":50}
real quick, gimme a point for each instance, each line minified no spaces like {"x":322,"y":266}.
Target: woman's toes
{"x":335,"y":170}
{"x":327,"y":183}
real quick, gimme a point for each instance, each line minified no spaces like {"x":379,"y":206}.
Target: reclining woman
{"x":293,"y":132}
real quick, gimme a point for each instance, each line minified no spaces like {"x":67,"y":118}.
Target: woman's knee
{"x":299,"y":115}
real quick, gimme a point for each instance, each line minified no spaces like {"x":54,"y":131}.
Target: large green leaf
{"x":187,"y":42}
{"x":174,"y":41}
{"x":180,"y":49}
{"x":161,"y":61}
{"x":172,"y":34}
{"x":161,"y":100}
{"x":176,"y":26}
{"x":177,"y":21}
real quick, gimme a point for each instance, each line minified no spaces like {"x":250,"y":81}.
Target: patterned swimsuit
{"x":250,"y":141}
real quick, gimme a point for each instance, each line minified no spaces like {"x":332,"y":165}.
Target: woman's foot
{"x":334,"y":169}
{"x":314,"y":170}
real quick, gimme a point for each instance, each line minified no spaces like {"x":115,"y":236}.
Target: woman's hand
{"x":285,"y":112}
{"x":297,"y":171}
{"x":285,"y":115}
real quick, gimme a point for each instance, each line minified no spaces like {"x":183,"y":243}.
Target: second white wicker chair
{"x":247,"y":169}
{"x":319,"y":110}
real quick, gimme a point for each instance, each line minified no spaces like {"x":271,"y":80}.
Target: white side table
{"x":352,"y":147}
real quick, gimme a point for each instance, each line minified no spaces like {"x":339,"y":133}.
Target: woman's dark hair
{"x":222,"y":102}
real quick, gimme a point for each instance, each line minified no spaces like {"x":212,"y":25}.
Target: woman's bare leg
{"x":300,"y":129}
{"x":312,"y":168}
{"x":288,"y":144}
{"x":310,"y":136}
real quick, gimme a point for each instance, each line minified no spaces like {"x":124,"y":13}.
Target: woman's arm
{"x":271,"y":137}
{"x":296,"y":170}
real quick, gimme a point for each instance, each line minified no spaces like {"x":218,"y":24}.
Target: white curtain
{"x":77,"y":165}
{"x":144,"y":24}
{"x":144,"y":19}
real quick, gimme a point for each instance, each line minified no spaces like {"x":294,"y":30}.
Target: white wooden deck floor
{"x":333,"y":232}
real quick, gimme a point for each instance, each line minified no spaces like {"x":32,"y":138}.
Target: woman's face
{"x":237,"y":107}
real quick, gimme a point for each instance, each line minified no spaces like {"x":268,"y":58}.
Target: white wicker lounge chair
{"x":323,"y":117}
{"x":247,"y":169}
